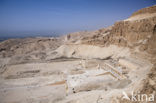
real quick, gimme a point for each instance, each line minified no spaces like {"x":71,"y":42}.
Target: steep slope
{"x":131,"y":32}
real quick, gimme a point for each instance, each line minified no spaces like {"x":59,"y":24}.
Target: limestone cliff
{"x":138,"y":30}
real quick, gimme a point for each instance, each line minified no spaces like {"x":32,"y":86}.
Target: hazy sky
{"x":47,"y":17}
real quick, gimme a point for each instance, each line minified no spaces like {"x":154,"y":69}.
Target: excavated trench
{"x":65,"y":77}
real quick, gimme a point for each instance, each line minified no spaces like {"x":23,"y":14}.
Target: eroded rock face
{"x":138,"y":30}
{"x":133,"y":32}
{"x":100,"y":37}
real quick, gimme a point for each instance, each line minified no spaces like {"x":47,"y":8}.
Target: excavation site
{"x":109,"y":65}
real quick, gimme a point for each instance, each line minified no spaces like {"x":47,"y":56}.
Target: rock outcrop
{"x":138,"y":30}
{"x":133,"y":33}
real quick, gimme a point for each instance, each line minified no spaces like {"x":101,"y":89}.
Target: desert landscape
{"x":83,"y":67}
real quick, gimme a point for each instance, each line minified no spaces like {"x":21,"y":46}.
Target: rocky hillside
{"x":148,"y":10}
{"x":28,"y":49}
{"x":131,"y":32}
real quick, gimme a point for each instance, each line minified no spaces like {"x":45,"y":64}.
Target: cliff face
{"x":133,"y":33}
{"x":138,"y":30}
